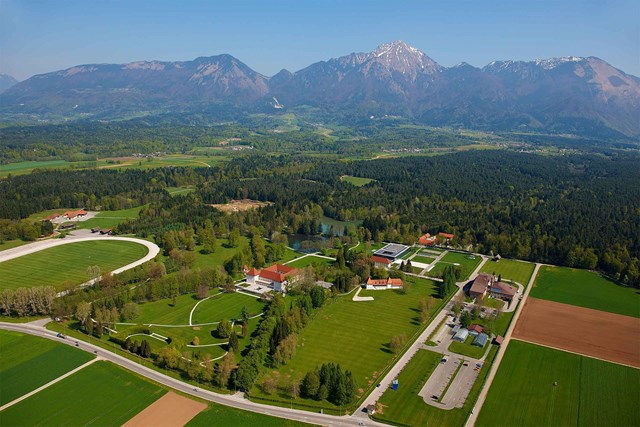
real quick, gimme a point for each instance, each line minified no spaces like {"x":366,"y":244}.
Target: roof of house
{"x":476,"y":328}
{"x":275,"y":272}
{"x":384,"y":282}
{"x":499,"y":339}
{"x":427,"y":239}
{"x":480,"y":339}
{"x":73,"y":214}
{"x":52,"y":216}
{"x":380,"y":259}
{"x":503,"y":288}
{"x":481,"y":283}
{"x":446,"y":235}
{"x":253,"y":272}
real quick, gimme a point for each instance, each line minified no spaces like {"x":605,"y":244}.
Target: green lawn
{"x":365,"y":326}
{"x":226,"y":306}
{"x":518,"y":271}
{"x":354,"y":180}
{"x":8,"y":244}
{"x":219,"y":415}
{"x":467,"y":264}
{"x":67,"y":263}
{"x":22,"y":168}
{"x":466,"y":349}
{"x":110,"y":219}
{"x":310,"y":260}
{"x":101,"y":394}
{"x":29,"y":362}
{"x":589,"y":392}
{"x":404,"y":406}
{"x":585,"y":289}
{"x":423,"y":259}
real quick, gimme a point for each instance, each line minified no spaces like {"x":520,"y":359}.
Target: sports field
{"x":67,"y":263}
{"x":517,"y":271}
{"x":456,"y":258}
{"x":28,"y":362}
{"x":589,"y":392}
{"x":310,"y":260}
{"x":100,"y":394}
{"x":354,"y":180}
{"x":365,"y":326}
{"x":585,"y":289}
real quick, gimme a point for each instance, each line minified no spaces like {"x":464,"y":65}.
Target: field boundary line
{"x":50,"y":383}
{"x":573,"y":352}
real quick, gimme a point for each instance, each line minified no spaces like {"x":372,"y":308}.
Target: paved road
{"x":471,"y":421}
{"x":236,"y":401}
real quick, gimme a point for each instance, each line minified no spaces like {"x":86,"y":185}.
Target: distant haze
{"x":38,"y":36}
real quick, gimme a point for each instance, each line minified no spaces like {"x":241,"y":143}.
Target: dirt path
{"x":171,"y":410}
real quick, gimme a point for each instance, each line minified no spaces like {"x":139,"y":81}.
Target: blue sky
{"x":41,"y":36}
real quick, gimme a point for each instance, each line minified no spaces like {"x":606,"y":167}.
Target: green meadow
{"x":517,"y":271}
{"x":456,"y":258}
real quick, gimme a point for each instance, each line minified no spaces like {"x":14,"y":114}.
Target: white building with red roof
{"x":381,"y":262}
{"x":277,"y":277}
{"x":383,"y":284}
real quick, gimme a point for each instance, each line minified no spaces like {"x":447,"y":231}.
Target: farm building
{"x":391,"y":251}
{"x":427,"y":240}
{"x":498,"y":340}
{"x":461,"y":335}
{"x":277,"y":277}
{"x":446,"y":236}
{"x":480,"y":340}
{"x":487,"y":284}
{"x":476,"y":328}
{"x":75,"y":214}
{"x":52,"y":217}
{"x":382,"y":284}
{"x":380,"y":262}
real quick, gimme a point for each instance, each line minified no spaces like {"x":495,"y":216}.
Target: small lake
{"x":312,"y":243}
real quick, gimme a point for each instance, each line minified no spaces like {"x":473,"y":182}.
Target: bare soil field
{"x":171,"y":410}
{"x":595,"y":333}
{"x":240,"y":205}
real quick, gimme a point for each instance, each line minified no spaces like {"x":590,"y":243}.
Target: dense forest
{"x":581,"y":209}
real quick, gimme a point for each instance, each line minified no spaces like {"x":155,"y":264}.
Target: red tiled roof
{"x":427,"y":239}
{"x":253,"y":272}
{"x":52,"y":216}
{"x":446,"y":235}
{"x":481,"y":283}
{"x":275,"y":272}
{"x":381,"y":260}
{"x":272,"y":275}
{"x":384,"y":282}
{"x":499,"y":339}
{"x":476,"y":328}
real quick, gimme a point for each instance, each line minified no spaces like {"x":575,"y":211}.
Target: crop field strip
{"x":67,"y":263}
{"x":29,"y":362}
{"x":585,"y":289}
{"x":541,"y":386}
{"x":100,"y":394}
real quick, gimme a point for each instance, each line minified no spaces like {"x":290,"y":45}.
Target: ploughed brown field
{"x":607,"y":336}
{"x":171,"y":410}
{"x":240,"y":205}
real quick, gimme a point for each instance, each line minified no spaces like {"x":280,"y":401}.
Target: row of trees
{"x":27,"y":301}
{"x":329,"y":382}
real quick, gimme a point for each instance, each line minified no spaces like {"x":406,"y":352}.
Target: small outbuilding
{"x":480,"y":340}
{"x":498,"y":340}
{"x":461,"y":335}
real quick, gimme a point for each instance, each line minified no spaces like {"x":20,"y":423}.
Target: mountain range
{"x":564,"y":95}
{"x":6,"y":81}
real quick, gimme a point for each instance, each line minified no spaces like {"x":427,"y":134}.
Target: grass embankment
{"x":517,"y":271}
{"x":589,"y":392}
{"x":67,"y":263}
{"x":100,"y":394}
{"x":585,"y":289}
{"x":29,"y":362}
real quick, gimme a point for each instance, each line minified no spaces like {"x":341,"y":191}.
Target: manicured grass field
{"x":28,"y":362}
{"x":110,"y":219}
{"x":518,"y":271}
{"x":354,"y":180}
{"x":467,"y":264}
{"x":466,"y":349}
{"x":585,"y":289}
{"x":589,"y":392}
{"x":359,"y":334}
{"x":310,"y":260}
{"x":404,"y":406}
{"x":22,"y":168}
{"x":101,"y":394}
{"x":422,"y":259}
{"x":67,"y":263}
{"x":226,"y":306}
{"x":218,"y":415}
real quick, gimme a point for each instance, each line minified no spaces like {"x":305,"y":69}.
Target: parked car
{"x":60,"y":335}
